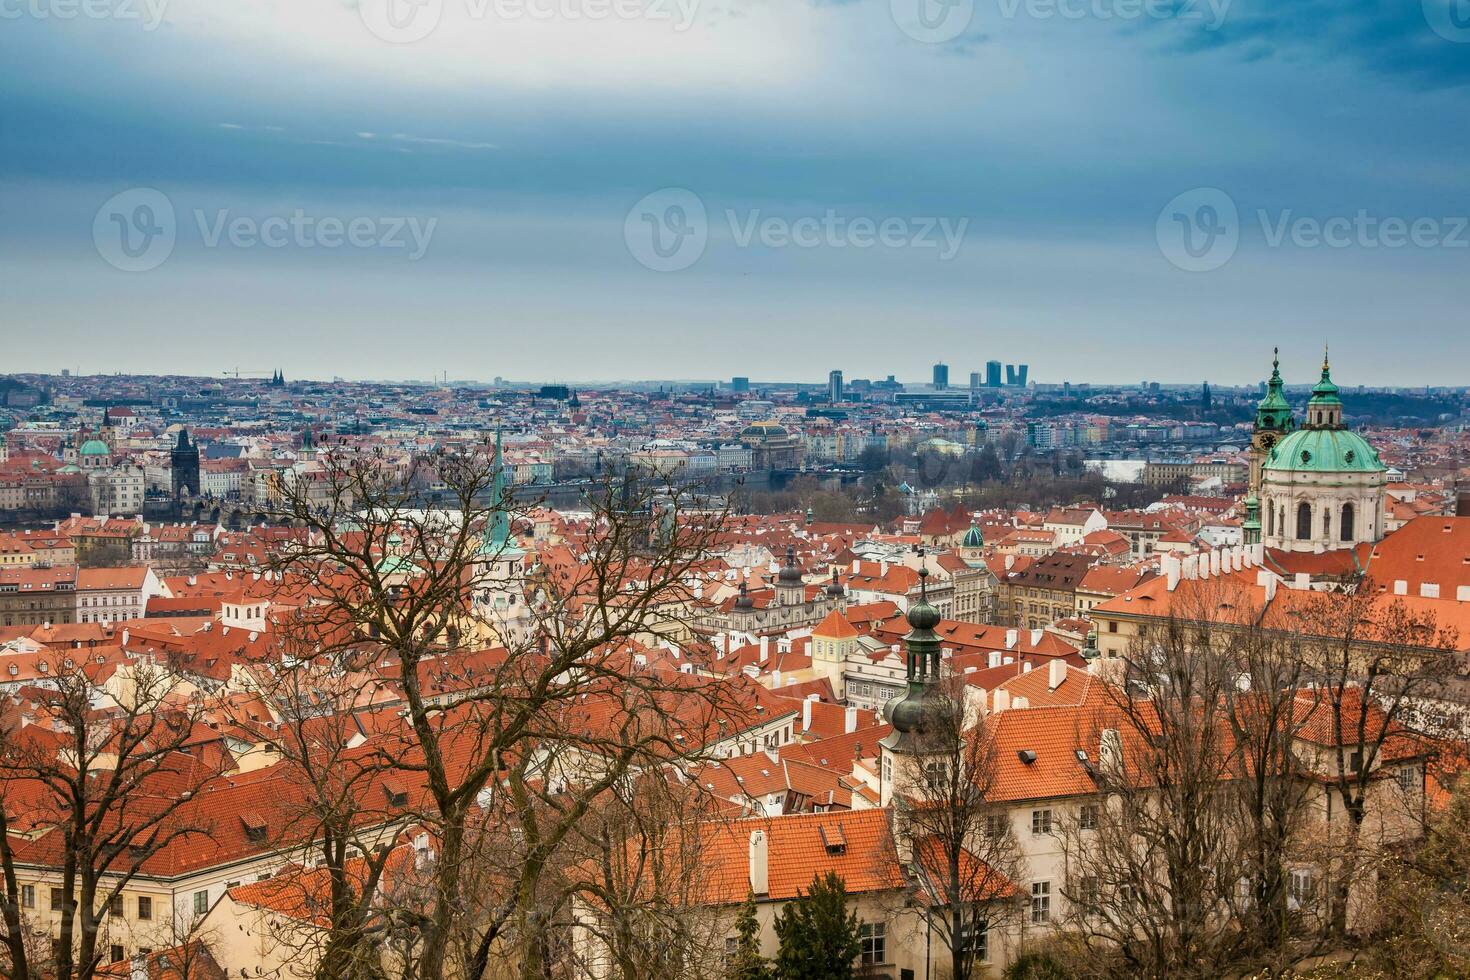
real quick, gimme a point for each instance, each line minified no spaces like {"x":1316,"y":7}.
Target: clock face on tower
{"x":1267,"y":441}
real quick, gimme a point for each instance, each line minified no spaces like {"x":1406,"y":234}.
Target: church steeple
{"x":496,"y":535}
{"x":1324,"y":408}
{"x":914,"y":715}
{"x":1274,"y":421}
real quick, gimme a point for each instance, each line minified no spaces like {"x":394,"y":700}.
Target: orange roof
{"x":800,"y":847}
{"x":834,"y":627}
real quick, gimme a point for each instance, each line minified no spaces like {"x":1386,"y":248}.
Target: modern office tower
{"x":1016,"y":375}
{"x":974,"y":380}
{"x":834,"y":387}
{"x":992,"y":374}
{"x":941,"y":377}
{"x":740,"y":384}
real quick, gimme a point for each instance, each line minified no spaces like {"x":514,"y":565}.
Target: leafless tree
{"x":1152,"y":865}
{"x":481,"y":731}
{"x":106,"y":783}
{"x":964,"y":854}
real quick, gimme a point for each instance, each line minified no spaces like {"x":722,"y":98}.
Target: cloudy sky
{"x":1111,"y":190}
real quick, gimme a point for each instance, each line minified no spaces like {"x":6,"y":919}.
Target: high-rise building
{"x":1016,"y":375}
{"x":834,"y":387}
{"x":974,"y":380}
{"x":740,"y":384}
{"x":941,"y":377}
{"x":992,"y":374}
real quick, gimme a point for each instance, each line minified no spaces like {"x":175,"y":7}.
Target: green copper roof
{"x":1324,"y":451}
{"x":1324,"y":392}
{"x":94,"y":447}
{"x":973,"y":538}
{"x":1274,"y":412}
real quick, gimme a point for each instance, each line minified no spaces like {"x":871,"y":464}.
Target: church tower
{"x":1273,"y":421}
{"x":790,"y":589}
{"x":184,"y":465}
{"x":914,"y":740}
{"x":1323,"y":486}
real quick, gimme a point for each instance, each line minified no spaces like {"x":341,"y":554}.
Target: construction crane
{"x":236,"y":373}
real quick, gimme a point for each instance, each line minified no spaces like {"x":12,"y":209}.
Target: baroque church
{"x":1315,"y":485}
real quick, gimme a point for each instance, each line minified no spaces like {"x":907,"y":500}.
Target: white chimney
{"x":765,"y":648}
{"x":775,"y":680}
{"x":1058,"y":674}
{"x":1215,"y":563}
{"x":1011,"y":637}
{"x":760,"y":878}
{"x":806,"y":715}
{"x":1036,"y":637}
{"x":1271,"y":587}
{"x":857,"y":566}
{"x":849,"y":721}
{"x":994,"y":658}
{"x":883,"y":569}
{"x":1002,"y":700}
{"x":1204,"y":565}
{"x":1170,"y":567}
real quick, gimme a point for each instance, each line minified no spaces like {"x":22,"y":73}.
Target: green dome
{"x":973,"y":538}
{"x":1324,"y":451}
{"x":94,"y":447}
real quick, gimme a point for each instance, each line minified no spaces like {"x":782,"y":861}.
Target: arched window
{"x":1304,"y":521}
{"x":1347,"y":522}
{"x":1271,"y":522}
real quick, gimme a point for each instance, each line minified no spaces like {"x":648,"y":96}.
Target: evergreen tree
{"x":747,"y":963}
{"x":819,"y":937}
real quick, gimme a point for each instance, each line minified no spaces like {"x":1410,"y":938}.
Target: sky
{"x":578,"y":190}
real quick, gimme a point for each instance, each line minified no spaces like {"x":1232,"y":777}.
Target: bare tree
{"x":964,"y":854}
{"x":107,"y":783}
{"x":407,"y":578}
{"x":1152,"y":866}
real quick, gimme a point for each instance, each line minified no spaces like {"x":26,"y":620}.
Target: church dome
{"x":1324,"y":451}
{"x":973,"y":538}
{"x":764,"y":430}
{"x":94,"y":447}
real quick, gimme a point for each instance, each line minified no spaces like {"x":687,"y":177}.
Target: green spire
{"x":1324,"y":392}
{"x":1252,"y":525}
{"x":1274,"y":412}
{"x":497,"y":528}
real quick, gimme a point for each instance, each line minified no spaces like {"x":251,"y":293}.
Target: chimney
{"x":883,"y":569}
{"x":775,"y":680}
{"x":849,"y":721}
{"x":765,"y":648}
{"x":1271,"y":587}
{"x":1036,"y":637}
{"x":994,"y":658}
{"x":857,"y":566}
{"x":1058,"y":674}
{"x":806,"y":715}
{"x":1302,"y":581}
{"x":1002,"y":700}
{"x":1011,"y":637}
{"x":1215,"y":563}
{"x":760,"y":879}
{"x":1204,"y":565}
{"x":1170,"y":567}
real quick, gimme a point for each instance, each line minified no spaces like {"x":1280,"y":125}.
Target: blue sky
{"x":1068,"y":138}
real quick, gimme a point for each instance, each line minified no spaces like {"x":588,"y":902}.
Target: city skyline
{"x":953,"y":194}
